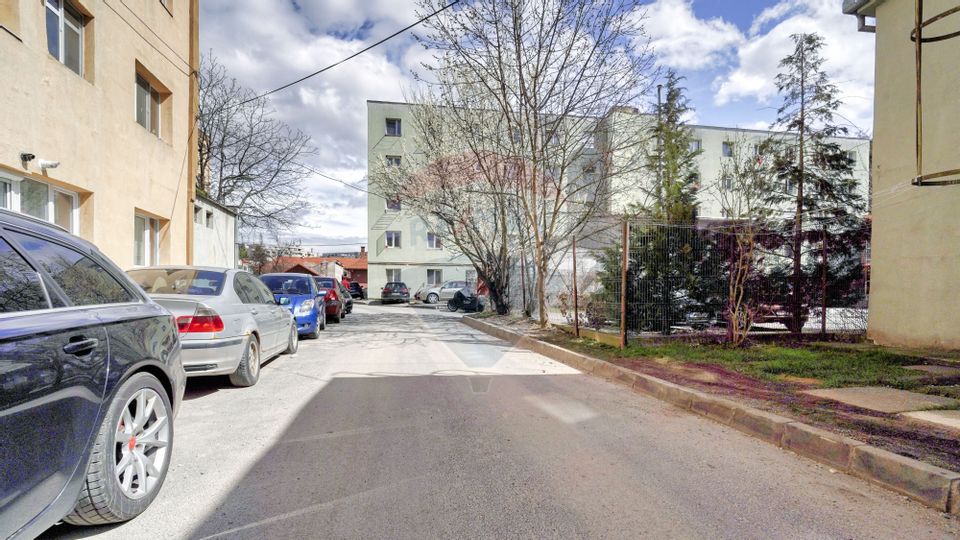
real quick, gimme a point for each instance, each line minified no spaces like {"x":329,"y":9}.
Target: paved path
{"x":403,"y":423}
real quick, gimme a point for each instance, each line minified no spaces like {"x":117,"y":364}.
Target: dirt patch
{"x":888,"y":431}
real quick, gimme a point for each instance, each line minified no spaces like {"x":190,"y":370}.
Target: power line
{"x":354,"y":55}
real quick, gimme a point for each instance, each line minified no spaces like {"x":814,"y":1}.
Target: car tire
{"x":433,"y":298}
{"x":452,"y":306}
{"x":103,"y":499}
{"x":248,"y":372}
{"x":293,"y":342}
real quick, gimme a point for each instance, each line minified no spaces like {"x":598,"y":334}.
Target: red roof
{"x":348,"y":263}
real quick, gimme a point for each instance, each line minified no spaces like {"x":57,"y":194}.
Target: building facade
{"x":915,"y":259}
{"x":214,"y":234}
{"x":97,"y":133}
{"x":402,"y":247}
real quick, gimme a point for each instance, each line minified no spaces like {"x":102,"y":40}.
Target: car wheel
{"x":130,"y":457}
{"x":452,"y":306}
{"x":433,"y":298}
{"x":293,"y":342}
{"x":248,"y":372}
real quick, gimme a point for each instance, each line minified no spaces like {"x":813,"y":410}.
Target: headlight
{"x":304,"y":308}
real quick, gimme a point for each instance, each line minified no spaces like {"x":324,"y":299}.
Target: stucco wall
{"x":214,"y":239}
{"x":88,"y":123}
{"x":915,"y":284}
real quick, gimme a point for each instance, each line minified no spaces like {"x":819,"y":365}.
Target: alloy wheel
{"x":141,"y":442}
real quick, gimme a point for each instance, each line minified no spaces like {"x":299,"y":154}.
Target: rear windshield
{"x":396,"y":285}
{"x":324,"y":282}
{"x":287,"y":284}
{"x":179,"y":281}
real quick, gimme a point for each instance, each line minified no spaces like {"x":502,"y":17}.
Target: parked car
{"x":777,"y":313}
{"x":90,"y":384}
{"x":339,"y":302}
{"x":356,"y":291}
{"x":395,"y":291}
{"x":228,"y":320}
{"x":444,"y":292}
{"x":299,"y":294}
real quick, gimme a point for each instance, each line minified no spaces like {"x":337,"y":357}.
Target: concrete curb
{"x":935,"y":487}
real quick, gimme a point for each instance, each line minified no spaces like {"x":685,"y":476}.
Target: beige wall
{"x":915,"y":285}
{"x":88,"y":124}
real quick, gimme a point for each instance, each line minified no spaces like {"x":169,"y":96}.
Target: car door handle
{"x":82,"y":346}
{"x":254,"y":312}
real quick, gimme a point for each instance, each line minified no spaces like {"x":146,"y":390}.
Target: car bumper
{"x":307,"y":324}
{"x":395,"y":298}
{"x":219,"y":356}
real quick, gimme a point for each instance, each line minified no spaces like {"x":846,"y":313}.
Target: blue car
{"x":299,"y":293}
{"x":90,"y":383}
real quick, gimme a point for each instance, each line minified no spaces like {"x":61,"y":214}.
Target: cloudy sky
{"x":728,"y":51}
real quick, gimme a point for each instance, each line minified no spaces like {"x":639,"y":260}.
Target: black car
{"x":90,"y":383}
{"x":356,"y":291}
{"x":395,"y":291}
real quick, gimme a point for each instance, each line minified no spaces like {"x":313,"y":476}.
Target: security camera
{"x":26,"y":157}
{"x":47,"y":164}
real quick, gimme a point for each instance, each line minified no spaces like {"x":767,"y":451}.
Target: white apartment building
{"x":403,"y":248}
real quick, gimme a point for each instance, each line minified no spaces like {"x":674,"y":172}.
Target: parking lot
{"x":404,"y":423}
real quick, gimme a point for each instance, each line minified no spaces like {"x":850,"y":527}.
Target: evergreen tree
{"x":816,"y":182}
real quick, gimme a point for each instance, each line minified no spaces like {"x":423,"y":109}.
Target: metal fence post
{"x":623,"y":284}
{"x":576,"y":303}
{"x":823,"y":289}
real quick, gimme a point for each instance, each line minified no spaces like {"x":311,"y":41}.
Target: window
{"x":20,"y":286}
{"x":393,"y":205}
{"x":42,"y":201}
{"x":146,"y":241}
{"x":147,"y":106}
{"x":434,"y":277}
{"x":393,"y":275}
{"x":209,"y":220}
{"x":433,"y":241}
{"x":695,"y":145}
{"x":393,"y":161}
{"x":726,"y":183}
{"x":852,"y":157}
{"x":727,"y":149}
{"x":198,"y":215}
{"x":65,"y":34}
{"x":179,"y":281}
{"x":393,"y":239}
{"x":789,"y":186}
{"x":246,"y":288}
{"x":393,"y":127}
{"x":83,"y":280}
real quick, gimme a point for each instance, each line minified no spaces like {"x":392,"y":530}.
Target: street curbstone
{"x":719,"y":409}
{"x":760,"y":424}
{"x":678,"y":395}
{"x":626,"y":376}
{"x":647,"y":384}
{"x":955,"y":498}
{"x":606,"y":370}
{"x":926,"y":483}
{"x":819,"y":444}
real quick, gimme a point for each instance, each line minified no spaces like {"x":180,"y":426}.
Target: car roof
{"x":16,"y":219}
{"x":291,"y":274}
{"x":183,"y":267}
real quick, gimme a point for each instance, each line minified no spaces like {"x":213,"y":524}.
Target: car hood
{"x":295,"y":299}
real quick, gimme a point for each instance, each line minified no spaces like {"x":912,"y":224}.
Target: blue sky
{"x":728,"y":51}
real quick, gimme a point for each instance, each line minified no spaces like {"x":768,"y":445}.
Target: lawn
{"x":831,"y":364}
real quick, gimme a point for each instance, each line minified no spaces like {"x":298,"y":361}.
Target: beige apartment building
{"x":915,"y":274}
{"x":97,"y":108}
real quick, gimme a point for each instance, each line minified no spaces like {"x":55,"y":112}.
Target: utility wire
{"x":354,"y":55}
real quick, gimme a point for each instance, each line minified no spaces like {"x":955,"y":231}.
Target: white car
{"x":444,"y":292}
{"x":228,"y":319}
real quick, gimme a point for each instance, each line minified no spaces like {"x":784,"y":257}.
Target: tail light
{"x":387,"y":290}
{"x":332,"y":295}
{"x":404,"y":291}
{"x":203,"y":320}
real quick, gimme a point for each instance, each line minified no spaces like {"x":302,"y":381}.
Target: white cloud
{"x":848,"y":57}
{"x":682,"y":41}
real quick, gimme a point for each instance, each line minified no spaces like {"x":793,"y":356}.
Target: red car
{"x":335,"y":296}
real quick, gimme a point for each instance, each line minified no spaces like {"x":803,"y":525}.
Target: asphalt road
{"x":404,"y":423}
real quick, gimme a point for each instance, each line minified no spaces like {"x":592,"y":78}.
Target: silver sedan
{"x":228,"y":319}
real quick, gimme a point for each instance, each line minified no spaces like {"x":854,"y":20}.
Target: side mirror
{"x":283,"y":301}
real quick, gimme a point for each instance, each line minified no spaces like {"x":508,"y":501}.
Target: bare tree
{"x":249,"y":160}
{"x":743,"y":193}
{"x":536,"y":85}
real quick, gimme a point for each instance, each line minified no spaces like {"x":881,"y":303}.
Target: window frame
{"x":399,"y":275}
{"x":386,"y":127}
{"x":14,"y":200}
{"x":726,"y":149}
{"x":61,"y":14}
{"x":393,"y":161}
{"x":153,"y":107}
{"x":695,"y":145}
{"x":437,"y":242}
{"x":397,"y":240}
{"x":439,"y":273}
{"x":151,"y":241}
{"x":44,"y":288}
{"x":394,"y":205}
